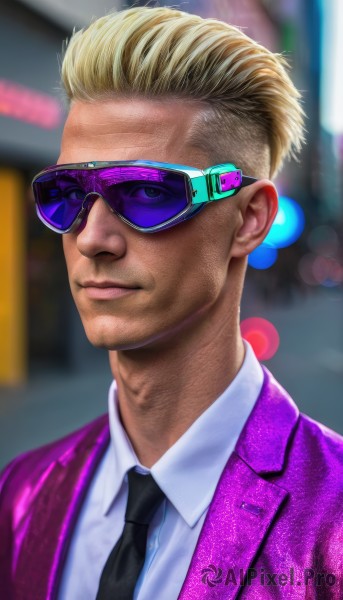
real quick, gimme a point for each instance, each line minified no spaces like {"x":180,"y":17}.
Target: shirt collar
{"x":201,"y":451}
{"x":121,"y":456}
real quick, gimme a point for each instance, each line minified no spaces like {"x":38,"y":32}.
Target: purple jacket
{"x":274,"y":528}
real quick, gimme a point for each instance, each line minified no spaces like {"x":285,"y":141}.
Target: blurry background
{"x":51,"y":379}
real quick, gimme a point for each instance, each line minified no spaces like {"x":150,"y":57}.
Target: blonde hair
{"x":163,"y":53}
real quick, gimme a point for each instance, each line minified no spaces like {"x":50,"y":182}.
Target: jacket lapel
{"x":53,"y":514}
{"x":245,"y":504}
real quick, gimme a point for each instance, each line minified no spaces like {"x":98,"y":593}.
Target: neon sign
{"x":24,"y":104}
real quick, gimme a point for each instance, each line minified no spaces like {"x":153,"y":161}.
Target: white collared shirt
{"x":187,"y":473}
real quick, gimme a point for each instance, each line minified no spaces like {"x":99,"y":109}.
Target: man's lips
{"x":106,"y":290}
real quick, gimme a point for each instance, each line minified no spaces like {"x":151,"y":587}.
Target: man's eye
{"x":147,"y":191}
{"x":142,"y":192}
{"x":152,"y":192}
{"x":73,"y":194}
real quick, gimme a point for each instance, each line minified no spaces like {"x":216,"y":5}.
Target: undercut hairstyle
{"x":251,"y":111}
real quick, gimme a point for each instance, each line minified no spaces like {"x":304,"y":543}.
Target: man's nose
{"x":101,"y":230}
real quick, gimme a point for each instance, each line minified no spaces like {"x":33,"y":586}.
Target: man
{"x":162,"y":189}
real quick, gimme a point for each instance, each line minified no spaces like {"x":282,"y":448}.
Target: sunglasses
{"x":148,"y":196}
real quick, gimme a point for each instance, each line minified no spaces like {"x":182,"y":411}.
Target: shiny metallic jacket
{"x":274,"y":528}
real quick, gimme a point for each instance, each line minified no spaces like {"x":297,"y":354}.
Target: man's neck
{"x":163,"y":390}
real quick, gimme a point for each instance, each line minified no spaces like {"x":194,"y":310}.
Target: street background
{"x":51,"y":380}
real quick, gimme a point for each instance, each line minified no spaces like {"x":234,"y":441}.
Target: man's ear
{"x":257,"y":210}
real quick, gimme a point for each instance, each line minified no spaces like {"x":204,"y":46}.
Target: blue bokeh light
{"x":288,"y":225}
{"x":263,"y":257}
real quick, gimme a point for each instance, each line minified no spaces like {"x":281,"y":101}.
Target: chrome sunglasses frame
{"x":203,"y":186}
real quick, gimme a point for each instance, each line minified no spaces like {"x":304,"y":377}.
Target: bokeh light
{"x":323,"y":266}
{"x":263,"y":257}
{"x":320,"y":270}
{"x":288,"y":225}
{"x":262,"y":335}
{"x":323,"y":240}
{"x":305,"y":269}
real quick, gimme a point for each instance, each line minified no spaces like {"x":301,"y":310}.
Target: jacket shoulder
{"x":314,"y":469}
{"x":320,"y":440}
{"x":27,"y":467}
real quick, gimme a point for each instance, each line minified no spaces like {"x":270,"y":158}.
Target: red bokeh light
{"x":262,"y":335}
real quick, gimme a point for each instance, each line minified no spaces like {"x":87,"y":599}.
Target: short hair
{"x":164,"y":53}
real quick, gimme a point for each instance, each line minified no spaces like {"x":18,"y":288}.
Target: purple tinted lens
{"x":145,"y":196}
{"x":59,"y":196}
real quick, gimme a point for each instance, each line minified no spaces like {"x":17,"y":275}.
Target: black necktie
{"x":125,"y":562}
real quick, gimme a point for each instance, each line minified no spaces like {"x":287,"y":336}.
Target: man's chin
{"x":118,"y":345}
{"x":110,"y":340}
